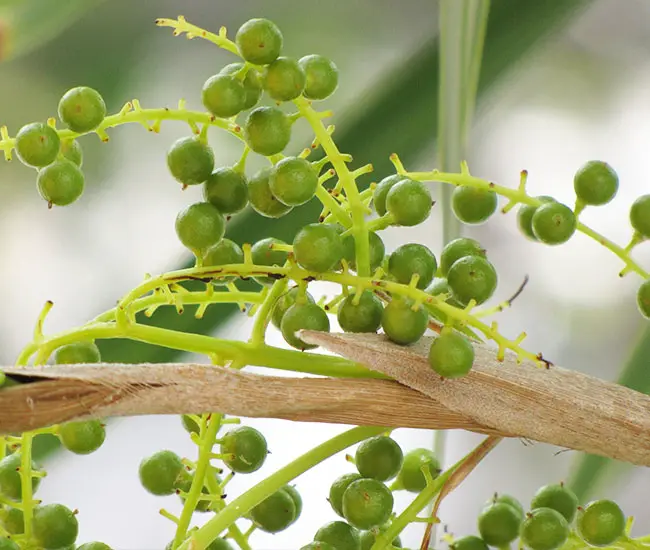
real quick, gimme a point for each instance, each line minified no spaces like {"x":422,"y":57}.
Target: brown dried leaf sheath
{"x":556,"y":406}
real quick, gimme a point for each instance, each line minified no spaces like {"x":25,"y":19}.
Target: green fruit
{"x":225,"y":252}
{"x":297,"y":500}
{"x":223,"y":95}
{"x":13,"y":521}
{"x":252,"y":84}
{"x":161,"y":473}
{"x":379,"y":458}
{"x":595,"y":183}
{"x":190,"y":424}
{"x":382,"y":189}
{"x":10,"y":479}
{"x":247,"y":449}
{"x":440,"y":286}
{"x":412,"y":259}
{"x":37,"y":144}
{"x":525,"y":217}
{"x":340,"y":535}
{"x":71,"y":150}
{"x":472,"y":205}
{"x":303,"y":316}
{"x":283,"y":79}
{"x":472,"y":278}
{"x":275,"y":513}
{"x":601,"y":523}
{"x":261,"y":198}
{"x":226,"y":189}
{"x":643,"y":298}
{"x":8,"y":544}
{"x":557,"y":497}
{"x":190,"y":160}
{"x":409,"y":202}
{"x":376,"y":251}
{"x":410,"y":476}
{"x":554,"y":223}
{"x":185,"y":485}
{"x":267,"y":130}
{"x":510,"y":500}
{"x":61,"y":183}
{"x":338,"y":488}
{"x":318,"y":247}
{"x":263,"y":255}
{"x":367,"y":503}
{"x":451,"y":355}
{"x":640,"y":216}
{"x":219,"y":544}
{"x":78,"y":352}
{"x":318,"y":546}
{"x":457,"y":249}
{"x":322,"y":76}
{"x":499,"y":524}
{"x":293,"y":181}
{"x":470,"y":542}
{"x":369,"y":537}
{"x":200,"y":226}
{"x":55,"y":526}
{"x":362,"y":317}
{"x":96,"y":545}
{"x":82,"y":109}
{"x":284,"y":302}
{"x":259,"y":41}
{"x":82,"y":438}
{"x":401,"y":324}
{"x":544,"y":529}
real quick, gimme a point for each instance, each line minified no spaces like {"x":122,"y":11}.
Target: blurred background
{"x":563,"y":82}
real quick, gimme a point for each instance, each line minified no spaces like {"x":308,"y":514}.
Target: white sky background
{"x":585,"y":96}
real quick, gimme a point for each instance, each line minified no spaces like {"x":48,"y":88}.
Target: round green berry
{"x":451,"y":355}
{"x":544,"y":529}
{"x":472,"y":278}
{"x":525,"y":217}
{"x":643,"y":298}
{"x":8,"y":544}
{"x":223,"y":95}
{"x":411,"y":477}
{"x":369,"y":537}
{"x":337,"y":489}
{"x":317,"y":546}
{"x":10,"y":479}
{"x":246,"y":449}
{"x":379,"y":458}
{"x":82,"y":109}
{"x":595,"y":183}
{"x":200,"y":226}
{"x":303,"y":316}
{"x":401,"y":323}
{"x":161,"y":473}
{"x":261,"y":198}
{"x":55,"y":526}
{"x":554,"y":223}
{"x":362,"y":317}
{"x":263,"y":254}
{"x":259,"y":41}
{"x":409,"y":202}
{"x":95,"y":545}
{"x":275,"y":513}
{"x":412,"y":259}
{"x":367,"y":503}
{"x":77,"y":352}
{"x":252,"y":83}
{"x":440,"y":286}
{"x":318,"y":247}
{"x":376,"y":250}
{"x":322,"y":76}
{"x":640,"y":216}
{"x":470,"y":542}
{"x":226,"y":189}
{"x":283,"y":79}
{"x":190,"y":425}
{"x":457,"y":249}
{"x":297,"y":500}
{"x":557,"y":497}
{"x":507,"y":499}
{"x":190,"y":160}
{"x":219,"y":544}
{"x":267,"y":130}
{"x":340,"y":535}
{"x":225,"y":252}
{"x":37,"y":144}
{"x":13,"y":521}
{"x":499,"y":524}
{"x":61,"y":183}
{"x":185,"y":485}
{"x":472,"y":205}
{"x":82,"y":438}
{"x":382,"y":189}
{"x":293,"y":181}
{"x":601,"y":523}
{"x":71,"y":150}
{"x":284,"y":302}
